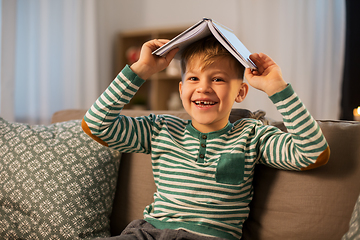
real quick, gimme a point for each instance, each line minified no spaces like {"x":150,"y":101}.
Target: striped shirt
{"x":204,"y":180}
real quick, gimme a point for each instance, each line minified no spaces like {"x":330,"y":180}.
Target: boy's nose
{"x":204,"y":87}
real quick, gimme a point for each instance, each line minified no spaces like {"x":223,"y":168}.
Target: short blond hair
{"x":209,"y":49}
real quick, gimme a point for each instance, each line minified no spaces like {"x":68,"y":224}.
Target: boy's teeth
{"x":204,"y":102}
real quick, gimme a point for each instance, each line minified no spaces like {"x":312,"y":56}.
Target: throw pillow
{"x":354,"y":226}
{"x":55,"y":182}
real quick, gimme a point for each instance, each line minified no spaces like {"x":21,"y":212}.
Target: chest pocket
{"x":230,"y":169}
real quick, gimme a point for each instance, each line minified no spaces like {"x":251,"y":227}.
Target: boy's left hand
{"x":267,"y":77}
{"x":149,"y":64}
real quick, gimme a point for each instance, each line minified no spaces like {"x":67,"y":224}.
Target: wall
{"x":114,"y":16}
{"x":305,"y":37}
{"x":163,"y":13}
{"x":121,"y":15}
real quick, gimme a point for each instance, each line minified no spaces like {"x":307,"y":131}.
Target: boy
{"x":203,"y":168}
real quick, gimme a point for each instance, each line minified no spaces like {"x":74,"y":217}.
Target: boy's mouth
{"x":204,"y":103}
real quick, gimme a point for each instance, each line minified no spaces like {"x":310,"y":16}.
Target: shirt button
{"x":204,"y":136}
{"x":201,"y":156}
{"x":203,"y":145}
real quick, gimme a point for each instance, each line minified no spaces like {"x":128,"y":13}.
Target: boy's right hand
{"x":148,"y":64}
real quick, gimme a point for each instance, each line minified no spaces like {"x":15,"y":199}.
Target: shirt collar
{"x":210,"y":135}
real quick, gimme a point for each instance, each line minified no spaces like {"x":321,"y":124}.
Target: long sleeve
{"x":304,"y":146}
{"x":104,"y":123}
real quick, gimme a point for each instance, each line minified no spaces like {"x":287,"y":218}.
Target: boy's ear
{"x":180,"y":88}
{"x":244,"y":88}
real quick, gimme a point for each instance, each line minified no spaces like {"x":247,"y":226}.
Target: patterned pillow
{"x":354,"y":229}
{"x":55,"y":182}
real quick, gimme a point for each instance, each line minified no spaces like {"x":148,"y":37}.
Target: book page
{"x":192,"y":34}
{"x":229,"y":40}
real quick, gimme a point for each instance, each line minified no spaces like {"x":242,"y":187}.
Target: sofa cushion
{"x":56,"y":182}
{"x":315,"y":204}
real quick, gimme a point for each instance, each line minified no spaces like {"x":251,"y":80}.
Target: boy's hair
{"x":208,"y":49}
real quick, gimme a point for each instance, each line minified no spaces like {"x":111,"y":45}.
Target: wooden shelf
{"x":155,"y":93}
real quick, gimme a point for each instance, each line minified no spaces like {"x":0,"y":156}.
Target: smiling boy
{"x":203,"y":168}
{"x":211,"y":84}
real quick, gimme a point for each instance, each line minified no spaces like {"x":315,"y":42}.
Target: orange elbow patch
{"x":86,"y":129}
{"x":321,"y":160}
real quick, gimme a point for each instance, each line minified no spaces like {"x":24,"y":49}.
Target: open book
{"x":203,"y":29}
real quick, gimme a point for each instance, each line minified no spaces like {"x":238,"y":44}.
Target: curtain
{"x":351,"y":84}
{"x":55,"y":65}
{"x":7,"y":39}
{"x":306,"y":38}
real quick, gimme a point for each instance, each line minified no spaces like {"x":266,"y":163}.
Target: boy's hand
{"x":148,"y":64}
{"x":268,"y":77}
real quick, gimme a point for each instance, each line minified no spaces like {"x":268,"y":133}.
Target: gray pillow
{"x":354,"y":225}
{"x":55,"y":182}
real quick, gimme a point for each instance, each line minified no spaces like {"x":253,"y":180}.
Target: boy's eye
{"x":193,"y":78}
{"x":218,"y":80}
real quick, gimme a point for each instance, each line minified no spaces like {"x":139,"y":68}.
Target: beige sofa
{"x":316,"y":204}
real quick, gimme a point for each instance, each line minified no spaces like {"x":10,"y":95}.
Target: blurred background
{"x":62,"y":54}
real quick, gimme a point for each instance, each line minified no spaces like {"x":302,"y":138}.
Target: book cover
{"x":202,"y":29}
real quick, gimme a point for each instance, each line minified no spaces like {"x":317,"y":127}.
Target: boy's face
{"x":209,"y":94}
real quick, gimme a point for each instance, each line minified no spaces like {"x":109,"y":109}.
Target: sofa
{"x":315,"y":204}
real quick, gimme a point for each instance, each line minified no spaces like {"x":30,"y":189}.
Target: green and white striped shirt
{"x":204,"y":180}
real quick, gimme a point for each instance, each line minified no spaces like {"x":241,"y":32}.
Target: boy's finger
{"x":171,"y":54}
{"x":262,"y":61}
{"x":163,"y":40}
{"x":258,"y":63}
{"x":156,"y":43}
